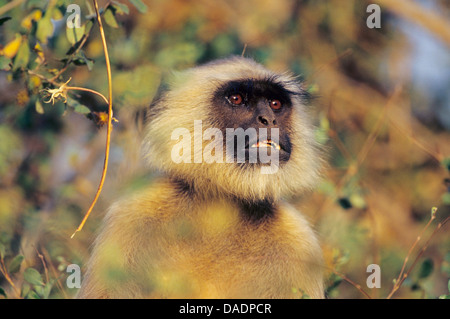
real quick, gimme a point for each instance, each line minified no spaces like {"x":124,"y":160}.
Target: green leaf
{"x":3,"y":293}
{"x":23,"y":56}
{"x":142,"y":7}
{"x":14,"y":265}
{"x":4,"y":19}
{"x":5,"y":63}
{"x":74,"y":35}
{"x":78,"y":107}
{"x":44,"y":28}
{"x":39,"y":108}
{"x":43,"y":291}
{"x":120,"y":7}
{"x":47,"y":289}
{"x":446,"y":163}
{"x":426,"y":268}
{"x":33,"y":295}
{"x":25,"y":290}
{"x":82,"y":59}
{"x":33,"y":277}
{"x":88,"y":26}
{"x":110,"y":19}
{"x":446,"y":199}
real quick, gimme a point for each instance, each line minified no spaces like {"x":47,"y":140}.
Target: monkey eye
{"x":275,"y":104}
{"x":235,"y":99}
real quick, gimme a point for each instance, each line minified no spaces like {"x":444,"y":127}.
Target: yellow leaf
{"x":40,"y":53}
{"x":27,"y":22}
{"x":10,"y":50}
{"x":35,"y":81}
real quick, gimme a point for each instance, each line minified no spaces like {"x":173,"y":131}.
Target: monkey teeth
{"x":267,"y":143}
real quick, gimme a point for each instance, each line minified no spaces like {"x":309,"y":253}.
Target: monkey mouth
{"x":253,"y":145}
{"x":267,"y":144}
{"x":271,"y":146}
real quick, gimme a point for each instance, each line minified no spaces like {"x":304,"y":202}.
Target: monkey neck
{"x":255,"y":210}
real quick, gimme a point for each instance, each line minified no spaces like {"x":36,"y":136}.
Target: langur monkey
{"x":217,"y":228}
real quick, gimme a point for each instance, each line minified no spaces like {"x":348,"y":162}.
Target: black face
{"x":256,"y":104}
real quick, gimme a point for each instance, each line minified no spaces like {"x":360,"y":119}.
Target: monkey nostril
{"x":274,"y":122}
{"x":263,"y":120}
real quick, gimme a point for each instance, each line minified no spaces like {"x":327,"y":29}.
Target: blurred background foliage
{"x":382,"y":101}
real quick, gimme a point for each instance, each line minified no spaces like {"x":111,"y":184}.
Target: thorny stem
{"x":110,"y":116}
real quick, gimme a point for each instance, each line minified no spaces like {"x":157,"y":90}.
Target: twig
{"x":41,"y":257}
{"x":110,"y":116}
{"x":88,"y":90}
{"x":402,"y":275}
{"x":54,"y":272}
{"x":243,"y":50}
{"x":357,"y":286}
{"x":424,"y":247}
{"x":436,"y":155}
{"x":8,"y":278}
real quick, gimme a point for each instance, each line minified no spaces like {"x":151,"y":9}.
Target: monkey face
{"x":260,"y":104}
{"x":231,"y":95}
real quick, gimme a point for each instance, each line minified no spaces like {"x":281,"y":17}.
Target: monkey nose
{"x":266,"y":120}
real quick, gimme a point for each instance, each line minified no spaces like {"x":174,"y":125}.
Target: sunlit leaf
{"x":74,"y":35}
{"x":120,"y":8}
{"x":142,"y":7}
{"x":88,"y":26}
{"x":110,"y":19}
{"x":39,"y":108}
{"x":44,"y":28}
{"x":27,"y":23}
{"x":10,"y":50}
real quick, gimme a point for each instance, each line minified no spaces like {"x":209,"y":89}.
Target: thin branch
{"x":9,"y":6}
{"x":436,"y":155}
{"x":402,"y":276}
{"x":110,"y":116}
{"x":8,"y":278}
{"x":44,"y":264}
{"x":88,"y":90}
{"x":70,"y":60}
{"x":357,"y":286}
{"x":419,"y":255}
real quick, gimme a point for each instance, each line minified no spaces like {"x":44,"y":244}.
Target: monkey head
{"x":233,"y":127}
